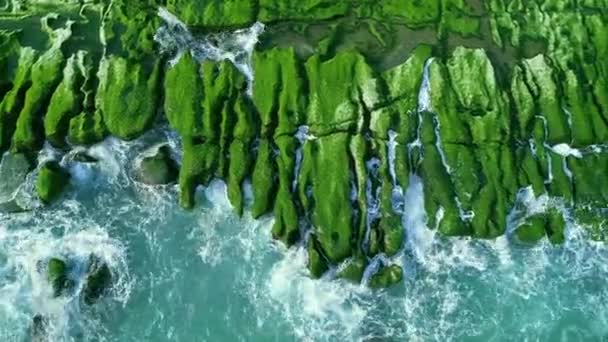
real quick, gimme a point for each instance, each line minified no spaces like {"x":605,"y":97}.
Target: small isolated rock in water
{"x":57,"y":274}
{"x":157,"y":168}
{"x":13,"y":170}
{"x":99,"y":279}
{"x":39,"y":328}
{"x":51,"y":181}
{"x":386,"y":277}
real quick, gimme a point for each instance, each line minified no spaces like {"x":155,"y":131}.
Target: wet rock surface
{"x":156,"y":167}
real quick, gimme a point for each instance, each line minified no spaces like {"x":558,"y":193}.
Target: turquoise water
{"x":207,"y":275}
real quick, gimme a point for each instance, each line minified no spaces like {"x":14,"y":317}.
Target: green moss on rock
{"x":45,"y":76}
{"x":199,"y":164}
{"x":532,"y":230}
{"x":65,"y":103}
{"x":12,"y":102}
{"x":353,"y":87}
{"x":286,"y":227}
{"x":183,"y":97}
{"x":240,"y":165}
{"x":57,"y":275}
{"x":317,"y":265}
{"x":87,"y":128}
{"x":386,"y":277}
{"x":52,"y":180}
{"x":352,"y":269}
{"x":332,"y":213}
{"x":263,"y":179}
{"x":278,"y":91}
{"x":127,"y":96}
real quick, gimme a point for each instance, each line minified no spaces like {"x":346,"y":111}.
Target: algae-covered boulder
{"x":98,"y":281}
{"x":52,"y":180}
{"x":157,"y":168}
{"x":386,"y":277}
{"x":57,"y":275}
{"x":352,"y":269}
{"x":532,"y":230}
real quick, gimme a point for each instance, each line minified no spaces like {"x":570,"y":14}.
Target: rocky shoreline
{"x":330,"y":141}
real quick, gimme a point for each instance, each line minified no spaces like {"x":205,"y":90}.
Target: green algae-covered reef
{"x":334,"y":110}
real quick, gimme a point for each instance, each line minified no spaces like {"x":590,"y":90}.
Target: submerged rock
{"x":158,"y":168}
{"x":52,"y":180}
{"x":98,"y":281}
{"x":38,"y":329}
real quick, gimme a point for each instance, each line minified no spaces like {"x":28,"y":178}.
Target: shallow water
{"x":207,"y":275}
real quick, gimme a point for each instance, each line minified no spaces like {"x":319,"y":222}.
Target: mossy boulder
{"x":98,"y":281}
{"x":157,"y":168}
{"x":57,"y":275}
{"x":352,"y":269}
{"x":386,"y":277}
{"x":51,"y":182}
{"x":532,"y":230}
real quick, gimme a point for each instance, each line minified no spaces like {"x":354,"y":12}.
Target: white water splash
{"x":237,"y":47}
{"x":373,"y":203}
{"x":565,"y":150}
{"x":302,"y":135}
{"x":397,"y":192}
